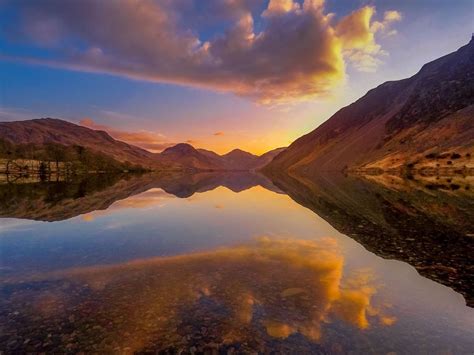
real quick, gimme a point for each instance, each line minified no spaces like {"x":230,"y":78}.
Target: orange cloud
{"x":192,"y":141}
{"x":272,"y":64}
{"x":276,"y":7}
{"x":88,"y":217}
{"x":145,"y":139}
{"x":218,"y":133}
{"x":357,"y":32}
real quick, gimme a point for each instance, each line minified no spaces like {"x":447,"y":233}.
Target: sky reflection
{"x":252,"y":270}
{"x":272,"y":288}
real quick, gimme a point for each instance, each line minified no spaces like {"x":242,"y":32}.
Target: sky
{"x":218,"y":74}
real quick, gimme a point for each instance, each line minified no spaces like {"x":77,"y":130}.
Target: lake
{"x":237,"y":263}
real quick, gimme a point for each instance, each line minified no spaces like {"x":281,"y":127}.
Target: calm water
{"x":237,"y":263}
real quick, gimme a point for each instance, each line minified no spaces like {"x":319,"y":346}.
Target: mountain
{"x":202,"y":159}
{"x":240,"y":160}
{"x":426,"y":121}
{"x":215,"y":158}
{"x":249,"y":161}
{"x":39,"y":133}
{"x":189,"y":157}
{"x":267,"y":157}
{"x":238,"y":157}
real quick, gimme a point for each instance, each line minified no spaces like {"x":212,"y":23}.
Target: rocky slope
{"x":267,"y":157}
{"x":423,"y":121}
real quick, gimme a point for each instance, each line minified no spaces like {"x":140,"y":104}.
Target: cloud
{"x":296,"y":52}
{"x":218,"y":133}
{"x":151,"y":141}
{"x":357,"y":32}
{"x":154,"y":197}
{"x":15,"y":224}
{"x":15,"y":114}
{"x":278,"y":7}
{"x":192,"y":141}
{"x":88,"y":217}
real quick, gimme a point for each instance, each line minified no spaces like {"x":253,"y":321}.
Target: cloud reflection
{"x":154,"y":197}
{"x":240,"y":295}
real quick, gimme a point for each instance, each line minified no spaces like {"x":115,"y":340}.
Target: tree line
{"x":57,"y":158}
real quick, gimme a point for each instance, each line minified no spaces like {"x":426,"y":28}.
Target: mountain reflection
{"x":425,"y":221}
{"x":245,"y":297}
{"x":57,"y":201}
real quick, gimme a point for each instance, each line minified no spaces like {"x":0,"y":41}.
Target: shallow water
{"x":231,"y":262}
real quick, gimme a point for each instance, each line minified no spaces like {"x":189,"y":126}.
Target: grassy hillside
{"x":56,"y":158}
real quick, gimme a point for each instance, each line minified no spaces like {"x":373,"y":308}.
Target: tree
{"x":56,"y":153}
{"x":10,"y":158}
{"x":42,"y":171}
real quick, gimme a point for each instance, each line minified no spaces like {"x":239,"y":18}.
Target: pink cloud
{"x":145,"y":139}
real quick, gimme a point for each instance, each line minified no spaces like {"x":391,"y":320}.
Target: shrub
{"x":432,"y":156}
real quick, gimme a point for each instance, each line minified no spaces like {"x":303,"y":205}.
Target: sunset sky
{"x":219,"y":74}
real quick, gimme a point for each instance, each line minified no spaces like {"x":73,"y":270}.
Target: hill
{"x":55,"y":139}
{"x":426,"y":121}
{"x":41,"y":132}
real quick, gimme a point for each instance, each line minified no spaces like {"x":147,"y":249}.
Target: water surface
{"x":236,"y":262}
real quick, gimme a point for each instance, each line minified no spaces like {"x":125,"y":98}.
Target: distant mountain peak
{"x":182,"y":148}
{"x":239,"y":153}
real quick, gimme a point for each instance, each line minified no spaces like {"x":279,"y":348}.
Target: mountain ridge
{"x":45,"y":131}
{"x":55,"y":131}
{"x":397,"y":124}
